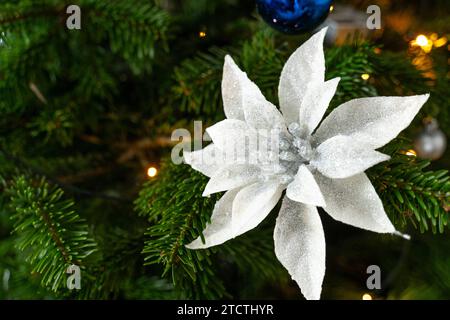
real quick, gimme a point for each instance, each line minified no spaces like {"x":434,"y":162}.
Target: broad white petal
{"x":253,"y":203}
{"x":306,"y":65}
{"x":372,"y":121}
{"x":219,"y":230}
{"x":354,"y":201}
{"x":304,"y":188}
{"x":232,"y":176}
{"x":207,"y":161}
{"x":343,"y":157}
{"x":300,"y":246}
{"x":314,"y":105}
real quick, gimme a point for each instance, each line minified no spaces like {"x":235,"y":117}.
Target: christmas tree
{"x":91,"y":93}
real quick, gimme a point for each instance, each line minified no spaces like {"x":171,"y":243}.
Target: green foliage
{"x":350,"y":62}
{"x":136,"y":39}
{"x":178,"y":218}
{"x":390,"y":67}
{"x":178,"y":213}
{"x":411,"y":194}
{"x":87,"y":108}
{"x":18,"y":280}
{"x":198,"y":79}
{"x":50,"y":231}
{"x":54,"y":81}
{"x":197,"y":88}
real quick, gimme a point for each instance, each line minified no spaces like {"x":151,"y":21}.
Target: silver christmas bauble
{"x":431,"y":143}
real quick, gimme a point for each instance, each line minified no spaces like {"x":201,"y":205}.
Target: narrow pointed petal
{"x":253,"y":203}
{"x":219,"y":230}
{"x":244,"y":101}
{"x":371,"y":121}
{"x":304,"y":188}
{"x":300,"y":246}
{"x":315,"y":104}
{"x":207,"y":161}
{"x":305,"y":66}
{"x":232,"y":90}
{"x":226,"y":132}
{"x":354,"y":201}
{"x":235,"y":139}
{"x":263,"y":115}
{"x":231,"y":177}
{"x":242,"y":144}
{"x":343,"y":157}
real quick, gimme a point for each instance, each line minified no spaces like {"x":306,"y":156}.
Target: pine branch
{"x":197,"y":88}
{"x":178,"y":213}
{"x":133,"y":29}
{"x":18,"y":280}
{"x":350,"y":62}
{"x":24,"y":166}
{"x":178,"y":217}
{"x":411,"y":194}
{"x":52,"y":235}
{"x":79,"y":71}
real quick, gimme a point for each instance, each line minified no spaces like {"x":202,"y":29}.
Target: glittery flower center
{"x":294,"y":151}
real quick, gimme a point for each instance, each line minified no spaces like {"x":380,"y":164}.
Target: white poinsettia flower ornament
{"x":322,"y":168}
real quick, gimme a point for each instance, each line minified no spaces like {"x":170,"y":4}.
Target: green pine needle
{"x":49,"y":231}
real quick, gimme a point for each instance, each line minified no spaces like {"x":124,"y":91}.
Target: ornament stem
{"x":403,"y":235}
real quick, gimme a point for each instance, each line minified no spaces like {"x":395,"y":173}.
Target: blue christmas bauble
{"x":294,"y":16}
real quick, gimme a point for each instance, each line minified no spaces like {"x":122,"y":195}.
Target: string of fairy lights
{"x":427,"y":43}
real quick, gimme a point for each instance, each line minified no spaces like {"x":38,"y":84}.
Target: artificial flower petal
{"x":372,"y":121}
{"x":232,"y":176}
{"x":300,"y":246}
{"x":207,"y":160}
{"x":342,"y":157}
{"x":227,"y":132}
{"x":305,"y":66}
{"x":327,"y":164}
{"x":235,"y":138}
{"x":219,"y":230}
{"x":232,"y":89}
{"x":304,"y":188}
{"x":253,"y":203}
{"x":314,"y":105}
{"x":354,"y":201}
{"x":244,"y":101}
{"x":263,"y":117}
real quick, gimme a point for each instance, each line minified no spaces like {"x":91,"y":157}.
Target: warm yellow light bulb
{"x":152,"y":172}
{"x":365,"y":76}
{"x":331,"y":8}
{"x":202,"y":34}
{"x":366,"y":296}
{"x":411,"y":153}
{"x":422,"y":40}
